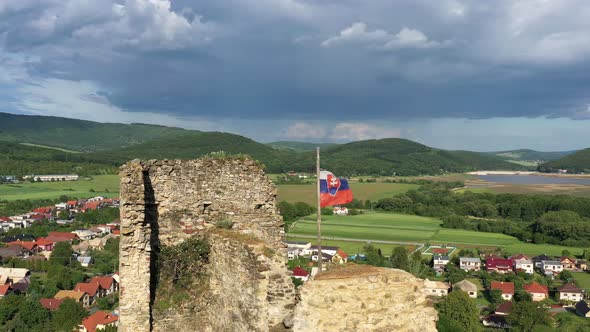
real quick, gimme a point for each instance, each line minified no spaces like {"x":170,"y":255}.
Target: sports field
{"x":361,"y":191}
{"x":392,"y":227}
{"x":102,"y":185}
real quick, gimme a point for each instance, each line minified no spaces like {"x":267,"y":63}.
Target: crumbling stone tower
{"x":164,"y":202}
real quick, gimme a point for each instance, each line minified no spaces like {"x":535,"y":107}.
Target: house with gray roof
{"x":470,"y":263}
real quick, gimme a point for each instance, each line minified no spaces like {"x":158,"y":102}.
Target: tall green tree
{"x":399,"y":258}
{"x":62,"y":254}
{"x":69,"y":314}
{"x":458,"y":313}
{"x":526,"y":315}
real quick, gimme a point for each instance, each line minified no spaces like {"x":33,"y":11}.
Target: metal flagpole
{"x":320,"y":258}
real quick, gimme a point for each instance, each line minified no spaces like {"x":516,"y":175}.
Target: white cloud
{"x":359,"y":33}
{"x":342,"y":131}
{"x":304,"y":130}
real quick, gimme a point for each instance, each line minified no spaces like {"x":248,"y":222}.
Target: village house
{"x":435,"y":288}
{"x":569,"y":264}
{"x":582,"y":309}
{"x":467,"y":287}
{"x":296,"y":249}
{"x":98,"y":321}
{"x":80,"y":297}
{"x":13,"y":275}
{"x":340,"y":257}
{"x":507,"y":289}
{"x":340,"y":211}
{"x":551,"y":268}
{"x":469,"y":264}
{"x":498,"y":265}
{"x":522,"y":263}
{"x":498,"y":318}
{"x":84,"y":234}
{"x":70,"y":236}
{"x":93,"y":290}
{"x":538,"y":260}
{"x":330,"y":250}
{"x":85,"y":261}
{"x":582,"y":264}
{"x":108,"y":284}
{"x":538,"y":292}
{"x":44,"y":244}
{"x":14,"y":251}
{"x":504,"y":308}
{"x":569,"y":292}
{"x":439,"y":262}
{"x":50,"y":304}
{"x":300,"y":273}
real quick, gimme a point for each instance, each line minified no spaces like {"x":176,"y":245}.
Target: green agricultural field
{"x":459,"y":236}
{"x":373,"y":226}
{"x":103,"y":185}
{"x":532,"y":249}
{"x":362,"y":191}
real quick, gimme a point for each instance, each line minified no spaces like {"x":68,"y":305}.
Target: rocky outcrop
{"x":364,"y":298}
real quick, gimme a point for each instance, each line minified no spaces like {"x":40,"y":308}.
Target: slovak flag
{"x":333,"y":191}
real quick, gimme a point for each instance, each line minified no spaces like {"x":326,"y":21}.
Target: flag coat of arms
{"x":333,"y":190}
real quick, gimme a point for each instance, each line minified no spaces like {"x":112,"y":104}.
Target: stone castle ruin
{"x":229,"y":205}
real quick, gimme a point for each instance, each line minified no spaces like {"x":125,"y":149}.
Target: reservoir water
{"x":533,"y":179}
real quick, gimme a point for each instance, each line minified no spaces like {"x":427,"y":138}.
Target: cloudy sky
{"x":480,"y":75}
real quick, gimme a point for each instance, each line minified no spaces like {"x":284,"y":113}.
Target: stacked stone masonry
{"x":165,"y":202}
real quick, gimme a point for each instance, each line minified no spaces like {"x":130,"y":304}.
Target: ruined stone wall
{"x":165,"y":202}
{"x":364,"y":298}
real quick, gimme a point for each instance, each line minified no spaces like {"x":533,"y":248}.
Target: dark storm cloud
{"x":298,"y":59}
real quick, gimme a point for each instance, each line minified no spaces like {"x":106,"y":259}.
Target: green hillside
{"x":18,"y":159}
{"x":299,"y":146}
{"x":531,"y":155}
{"x":194,"y":145}
{"x":402,"y":157}
{"x":78,"y":135}
{"x":578,"y":162}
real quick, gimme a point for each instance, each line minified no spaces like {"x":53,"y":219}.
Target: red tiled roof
{"x":342,"y":254}
{"x":99,"y":317}
{"x":38,"y":216}
{"x":4,"y":289}
{"x":29,"y":245}
{"x":519,"y":257}
{"x":5,"y":219}
{"x":498,"y":263}
{"x":73,"y":203}
{"x":67,"y":235}
{"x":43,"y":242}
{"x":535,"y":287}
{"x":565,"y":258}
{"x":300,"y":272}
{"x":570,"y":288}
{"x":117,"y":232}
{"x":92,"y":205}
{"x":104,"y":282}
{"x":90,"y":288}
{"x":51,"y":304}
{"x":42,"y":210}
{"x":505,"y":286}
{"x":56,"y":239}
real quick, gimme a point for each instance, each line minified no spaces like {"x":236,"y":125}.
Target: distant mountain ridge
{"x":578,"y":162}
{"x":79,"y":135}
{"x":114,"y":144}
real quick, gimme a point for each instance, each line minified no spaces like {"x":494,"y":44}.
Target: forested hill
{"x":195,"y":145}
{"x":18,"y":160}
{"x":299,"y":146}
{"x":574,"y":163}
{"x":531,"y":155}
{"x":79,"y":135}
{"x":402,"y":157}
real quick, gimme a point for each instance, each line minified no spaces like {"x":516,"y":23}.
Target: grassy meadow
{"x":102,"y":185}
